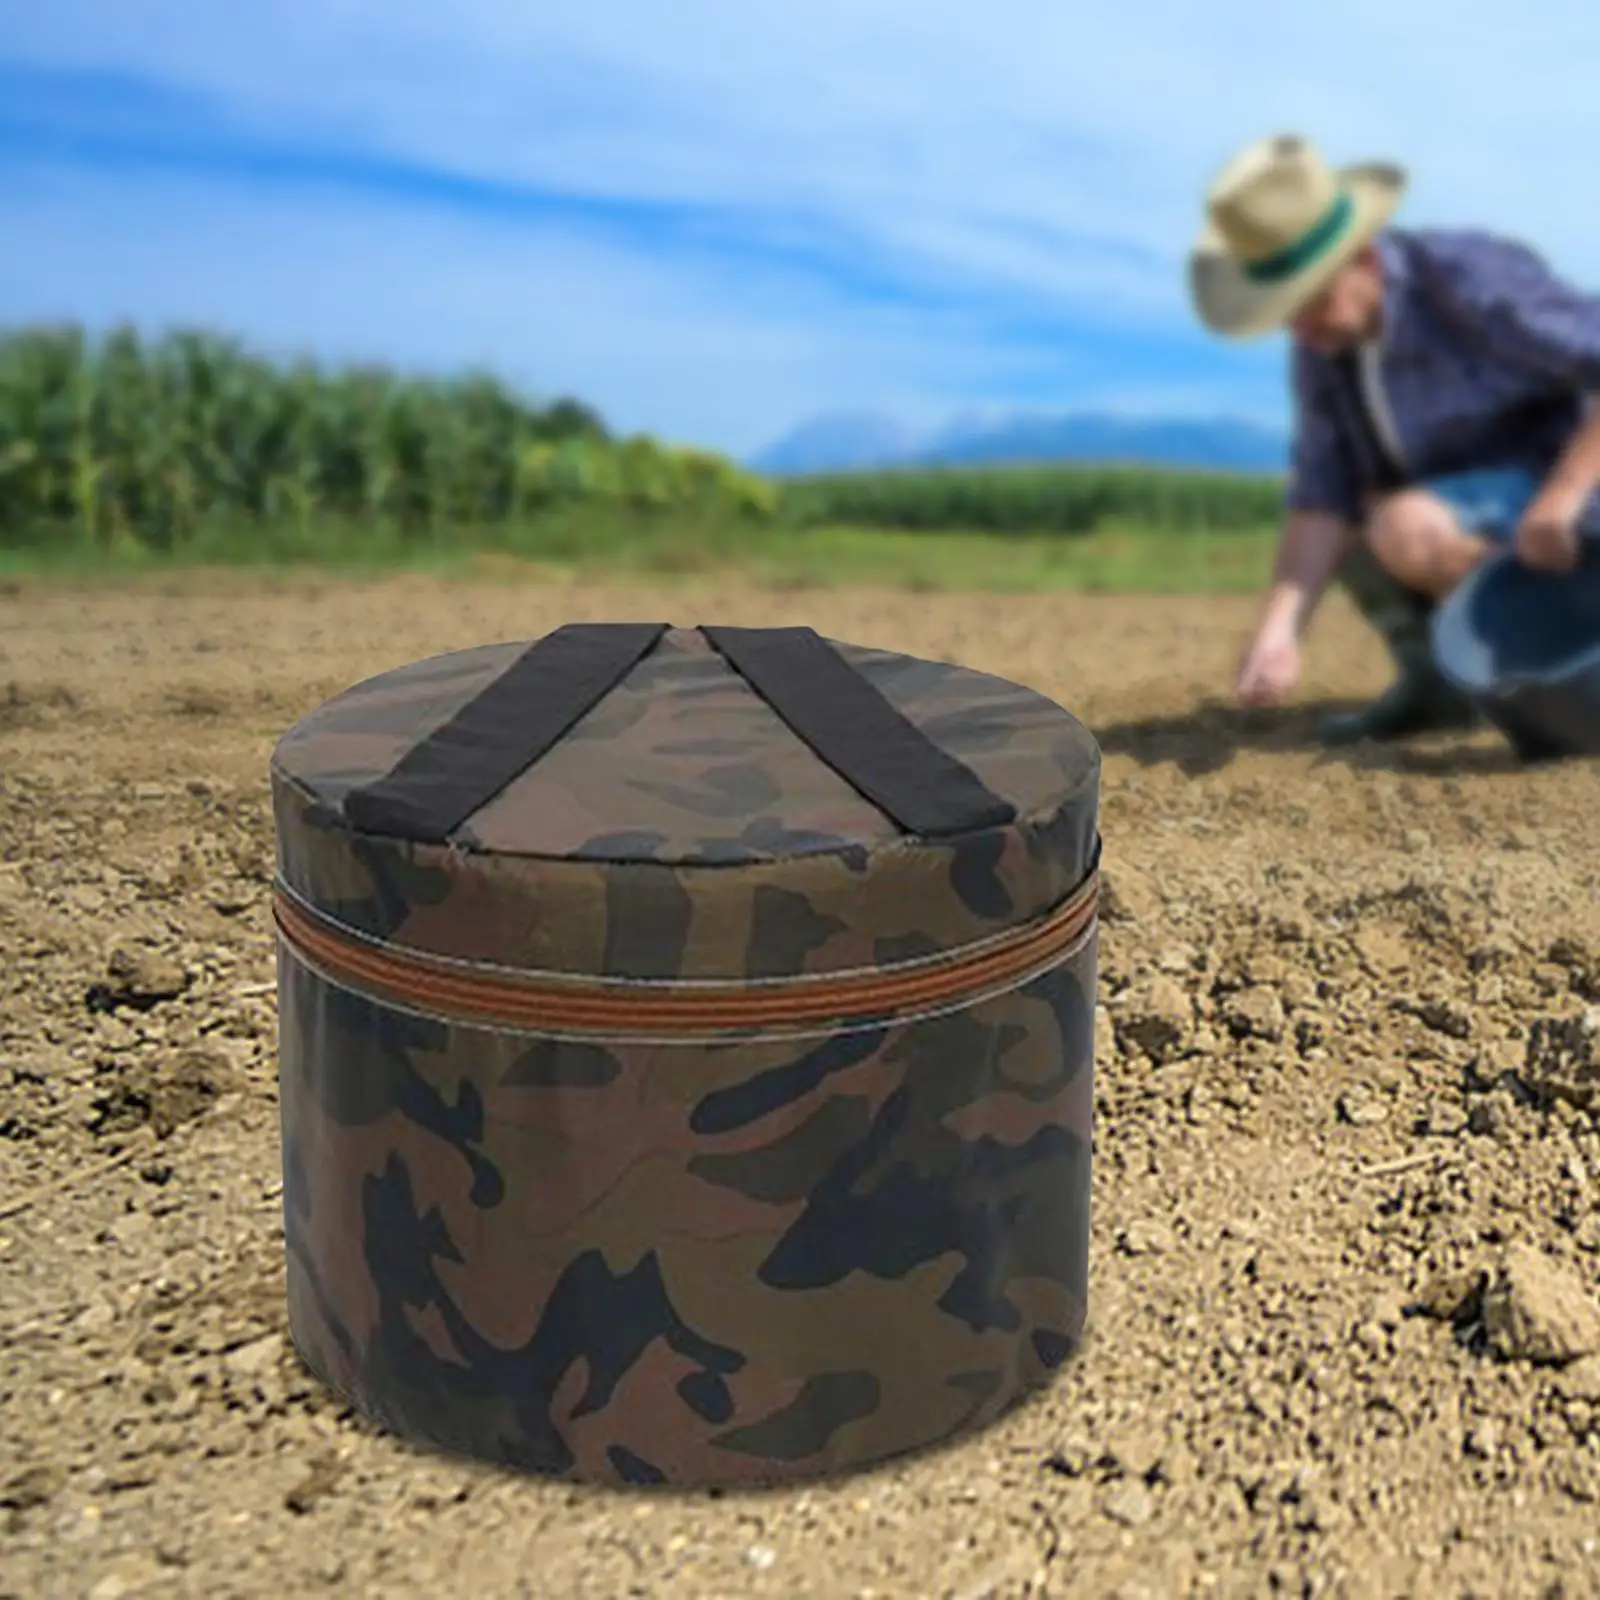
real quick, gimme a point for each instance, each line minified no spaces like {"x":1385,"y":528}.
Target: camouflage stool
{"x":686,"y":1043}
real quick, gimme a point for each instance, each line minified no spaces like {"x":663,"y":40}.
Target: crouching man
{"x":1438,"y":382}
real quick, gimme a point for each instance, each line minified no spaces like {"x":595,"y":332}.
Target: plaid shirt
{"x":1487,"y":357}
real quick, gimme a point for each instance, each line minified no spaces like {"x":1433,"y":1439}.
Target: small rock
{"x":1255,"y":1014}
{"x":1131,"y":1504}
{"x":255,"y":1359}
{"x":32,"y":1487}
{"x":1488,"y":1119}
{"x":1538,"y":1310}
{"x":1549,"y":979}
{"x":1127,"y":895}
{"x":1073,"y":1456}
{"x":1570,"y":950}
{"x":1362,"y":1106}
{"x":139,"y":977}
{"x":1381,"y":951}
{"x":1482,"y":1440}
{"x":1310,"y":1034}
{"x":1580,"y":1380}
{"x":1563,"y":1058}
{"x":1495,"y":953}
{"x":1445,"y":1017}
{"x":172,"y":1552}
{"x":1071,"y":1503}
{"x":317,"y":1485}
{"x":131,"y":1575}
{"x":95,"y":1318}
{"x":1143,"y":1238}
{"x":1139,"y":1452}
{"x":1451,"y":1296}
{"x":1372,"y":1337}
{"x":1389,"y":1311}
{"x":1441,"y":1120}
{"x":1176,"y":1468}
{"x":1176,"y":960}
{"x":1155,"y":1018}
{"x":1300,"y":990}
{"x":761,"y":1556}
{"x":195,"y":1082}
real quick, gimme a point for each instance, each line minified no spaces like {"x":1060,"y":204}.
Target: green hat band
{"x":1309,"y":247}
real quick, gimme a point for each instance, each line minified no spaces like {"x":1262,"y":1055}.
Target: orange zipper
{"x":537,"y":1003}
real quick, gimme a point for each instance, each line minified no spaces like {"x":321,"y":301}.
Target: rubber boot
{"x":1421,"y":699}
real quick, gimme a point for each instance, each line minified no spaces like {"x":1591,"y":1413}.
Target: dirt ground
{"x":1345,"y":1292}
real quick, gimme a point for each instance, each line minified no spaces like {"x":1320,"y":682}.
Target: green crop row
{"x":123,"y":439}
{"x":1067,"y":499}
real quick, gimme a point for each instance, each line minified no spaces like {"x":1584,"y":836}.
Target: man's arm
{"x":1308,"y":554}
{"x":1577,"y":468}
{"x":1323,"y":506}
{"x":1312,"y":546}
{"x":1547,"y":535}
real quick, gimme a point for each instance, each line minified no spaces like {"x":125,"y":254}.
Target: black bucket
{"x":1525,"y":646}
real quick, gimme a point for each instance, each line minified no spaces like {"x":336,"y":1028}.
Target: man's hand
{"x":1309,"y":553}
{"x":1271,"y":667}
{"x":1547,"y":536}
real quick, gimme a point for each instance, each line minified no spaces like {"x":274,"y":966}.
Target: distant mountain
{"x":840,"y":443}
{"x":846,"y":443}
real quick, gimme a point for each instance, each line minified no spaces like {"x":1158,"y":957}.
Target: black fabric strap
{"x":500,"y":733}
{"x":849,"y":724}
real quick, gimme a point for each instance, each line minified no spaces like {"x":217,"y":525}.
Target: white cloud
{"x":1015,"y":152}
{"x":1082,"y":118}
{"x":655,"y":347}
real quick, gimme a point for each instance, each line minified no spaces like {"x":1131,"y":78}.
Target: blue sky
{"x":715,"y":218}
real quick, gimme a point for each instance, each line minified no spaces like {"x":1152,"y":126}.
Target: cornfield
{"x":1066,"y":499}
{"x":148,"y":445}
{"x":150,"y":441}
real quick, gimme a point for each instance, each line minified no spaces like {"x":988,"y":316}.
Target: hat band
{"x":1309,"y":247}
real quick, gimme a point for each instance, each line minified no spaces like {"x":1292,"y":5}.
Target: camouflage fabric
{"x":612,"y":856}
{"x":720,"y":1258}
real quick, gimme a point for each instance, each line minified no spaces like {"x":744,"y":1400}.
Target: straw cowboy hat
{"x":1280,"y":223}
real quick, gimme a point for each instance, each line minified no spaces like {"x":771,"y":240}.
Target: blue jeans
{"x":1488,"y":502}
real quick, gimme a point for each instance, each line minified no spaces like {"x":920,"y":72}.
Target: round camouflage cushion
{"x":686,"y":1042}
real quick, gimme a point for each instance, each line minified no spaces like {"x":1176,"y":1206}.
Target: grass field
{"x":1114,"y":560}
